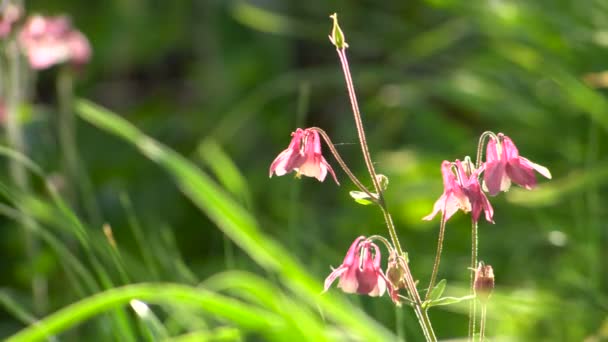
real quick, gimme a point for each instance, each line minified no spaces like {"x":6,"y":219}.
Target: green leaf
{"x":446,"y":301}
{"x":361,"y":197}
{"x":437,"y":291}
{"x":241,"y":313}
{"x":236,"y":222}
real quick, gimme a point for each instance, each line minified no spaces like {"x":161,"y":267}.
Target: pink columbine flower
{"x":10,"y":14}
{"x":47,"y":41}
{"x":303,"y":156}
{"x":503,"y":165}
{"x":360,"y":271}
{"x":461,"y":191}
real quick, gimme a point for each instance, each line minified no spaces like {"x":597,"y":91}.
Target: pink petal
{"x":449,"y":179}
{"x":454,"y":203}
{"x":495,"y":177}
{"x":438,"y":206}
{"x":349,"y":282}
{"x":521,"y":174}
{"x":331,"y":171}
{"x":311,"y":167}
{"x":352,"y":256}
{"x":487,"y":208}
{"x":539,"y":168}
{"x":379,"y":288}
{"x":289,"y":159}
{"x":492,"y":153}
{"x":332,"y":276}
{"x":509,"y":149}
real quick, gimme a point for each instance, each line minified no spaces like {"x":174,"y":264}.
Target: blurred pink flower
{"x":503,"y":165}
{"x":461,"y":190}
{"x":47,"y":41}
{"x":360,"y":271}
{"x":303,"y":156}
{"x":3,"y":113}
{"x":10,"y":14}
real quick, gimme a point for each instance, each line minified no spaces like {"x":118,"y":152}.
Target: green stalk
{"x":18,"y":173}
{"x":473,"y":303}
{"x":437,"y":255}
{"x":78,"y":185}
{"x":482,"y":325}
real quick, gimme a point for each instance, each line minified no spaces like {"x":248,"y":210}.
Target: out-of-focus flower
{"x":484,"y":281}
{"x":504,"y":165}
{"x":47,"y":41}
{"x":360,"y":271}
{"x":461,"y":190}
{"x":3,"y":114}
{"x":10,"y":14}
{"x":303,"y":156}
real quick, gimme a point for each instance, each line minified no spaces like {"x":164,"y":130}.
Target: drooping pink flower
{"x":504,"y":165}
{"x":47,"y":41}
{"x":361,"y":271}
{"x":10,"y":14}
{"x":461,"y":191}
{"x":303,"y":156}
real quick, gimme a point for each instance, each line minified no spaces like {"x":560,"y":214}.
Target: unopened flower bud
{"x":395,"y":271}
{"x":484,"y":281}
{"x":337,"y":36}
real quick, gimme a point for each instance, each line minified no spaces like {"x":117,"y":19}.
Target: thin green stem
{"x":391,"y":229}
{"x":482,"y":325}
{"x":437,"y":255}
{"x":358,"y":122}
{"x":473,"y":303}
{"x":482,"y":140}
{"x":18,"y":173}
{"x":76,"y":178}
{"x":422,"y":315}
{"x":345,"y":167}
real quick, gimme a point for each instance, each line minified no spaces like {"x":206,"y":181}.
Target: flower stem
{"x":358,"y":122}
{"x":482,"y":327}
{"x":437,"y":256}
{"x":18,"y":173}
{"x":473,"y":303}
{"x":345,"y":167}
{"x":421,"y":314}
{"x":482,"y":140}
{"x":67,"y":140}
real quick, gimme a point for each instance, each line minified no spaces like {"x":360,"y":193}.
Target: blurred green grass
{"x":220,"y":82}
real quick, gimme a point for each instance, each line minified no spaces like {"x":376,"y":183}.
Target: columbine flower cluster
{"x":503,"y":166}
{"x":45,"y":40}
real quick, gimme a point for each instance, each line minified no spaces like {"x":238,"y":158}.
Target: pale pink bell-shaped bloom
{"x":461,"y":191}
{"x":10,"y":14}
{"x":361,"y":271}
{"x":47,"y":41}
{"x":504,"y":165}
{"x":303,"y":156}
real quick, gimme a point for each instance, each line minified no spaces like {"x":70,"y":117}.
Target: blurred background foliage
{"x":224,"y":83}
